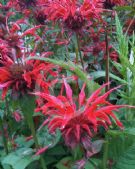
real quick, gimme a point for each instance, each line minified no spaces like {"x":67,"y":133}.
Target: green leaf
{"x":127,"y":160}
{"x":91,"y":85}
{"x":122,"y":148}
{"x":89,"y":165}
{"x":21,"y":142}
{"x":122,"y":45}
{"x":56,"y":151}
{"x":18,"y":161}
{"x":5,"y":167}
{"x":45,"y":138}
{"x":123,"y":8}
{"x":99,"y":74}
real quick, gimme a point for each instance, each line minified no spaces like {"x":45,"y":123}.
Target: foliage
{"x":67,"y":80}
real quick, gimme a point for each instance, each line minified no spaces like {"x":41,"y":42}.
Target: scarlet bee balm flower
{"x":79,"y":125}
{"x":22,"y":78}
{"x":73,"y":14}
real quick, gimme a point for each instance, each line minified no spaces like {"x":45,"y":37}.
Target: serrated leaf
{"x":127,"y":160}
{"x":122,"y":148}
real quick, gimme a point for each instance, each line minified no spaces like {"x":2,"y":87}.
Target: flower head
{"x":22,"y":78}
{"x":79,"y":125}
{"x":72,"y":13}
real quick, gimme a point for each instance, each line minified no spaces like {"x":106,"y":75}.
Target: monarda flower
{"x":79,"y":122}
{"x":73,"y":14}
{"x":22,"y":78}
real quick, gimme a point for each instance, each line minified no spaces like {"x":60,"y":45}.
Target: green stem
{"x":4,"y":137}
{"x":7,"y":115}
{"x":77,"y":54}
{"x":32,"y":128}
{"x":79,"y":51}
{"x":105,"y":154}
{"x":107,"y":60}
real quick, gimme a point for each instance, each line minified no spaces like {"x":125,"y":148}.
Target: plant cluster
{"x":67,"y":80}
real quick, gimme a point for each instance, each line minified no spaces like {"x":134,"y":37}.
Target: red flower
{"x":73,"y":14}
{"x":22,"y":78}
{"x":79,"y":125}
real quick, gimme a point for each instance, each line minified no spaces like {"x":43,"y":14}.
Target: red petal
{"x":52,"y":99}
{"x":82,"y":95}
{"x":4,"y":92}
{"x":77,"y":132}
{"x":102,"y":123}
{"x":44,"y":123}
{"x":95,"y":94}
{"x":103,"y":117}
{"x":100,"y":99}
{"x":66,"y":134}
{"x":7,"y":84}
{"x":56,"y":123}
{"x":31,"y":30}
{"x":86,"y":127}
{"x":41,"y":151}
{"x":68,"y":92}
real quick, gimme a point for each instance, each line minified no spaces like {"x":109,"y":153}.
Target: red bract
{"x":73,"y":14}
{"x":41,"y":151}
{"x":22,"y":77}
{"x":79,"y":125}
{"x":17,"y":116}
